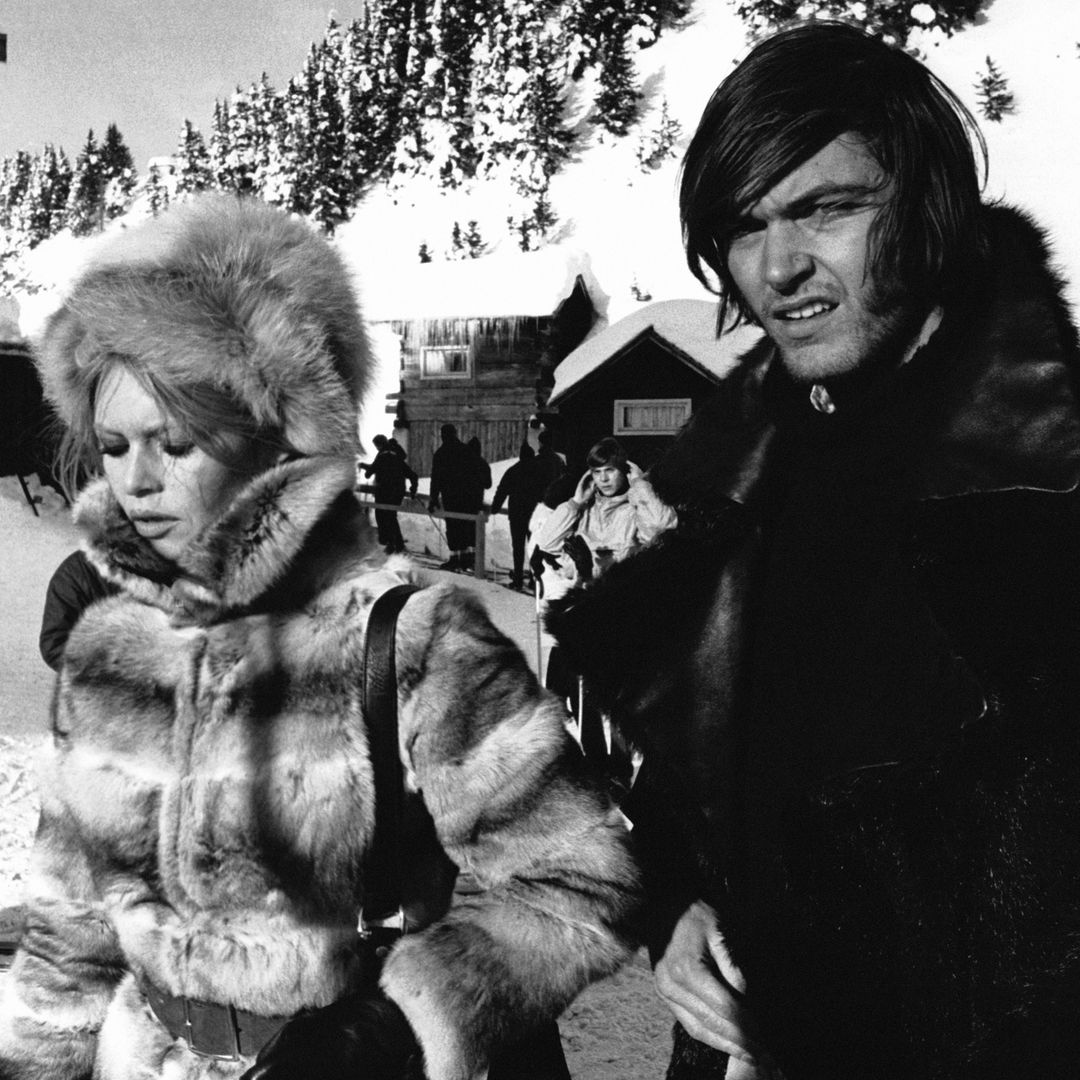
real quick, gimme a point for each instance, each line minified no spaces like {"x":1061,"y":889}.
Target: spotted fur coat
{"x":207,"y":800}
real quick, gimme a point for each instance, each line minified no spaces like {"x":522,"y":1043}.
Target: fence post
{"x":479,"y":565}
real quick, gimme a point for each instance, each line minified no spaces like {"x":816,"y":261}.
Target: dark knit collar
{"x":239,"y":559}
{"x":989,"y":404}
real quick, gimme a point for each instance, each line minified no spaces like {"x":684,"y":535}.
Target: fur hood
{"x":226,"y":292}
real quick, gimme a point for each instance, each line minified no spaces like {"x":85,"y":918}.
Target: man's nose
{"x":786,"y":262}
{"x":143,"y":474}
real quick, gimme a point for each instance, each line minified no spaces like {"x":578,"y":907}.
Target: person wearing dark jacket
{"x":520,"y":489}
{"x":453,"y":484}
{"x":852,"y":668}
{"x":74,"y":586}
{"x":391,"y":473}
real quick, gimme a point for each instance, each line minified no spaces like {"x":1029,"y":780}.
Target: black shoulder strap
{"x":382,"y":871}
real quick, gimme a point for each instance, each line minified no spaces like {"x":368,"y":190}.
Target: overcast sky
{"x":145,"y":65}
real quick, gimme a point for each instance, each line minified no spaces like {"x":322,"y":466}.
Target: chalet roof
{"x":687,"y":325}
{"x":500,"y":285}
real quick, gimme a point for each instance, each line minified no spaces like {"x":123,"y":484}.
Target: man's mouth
{"x":804,"y":311}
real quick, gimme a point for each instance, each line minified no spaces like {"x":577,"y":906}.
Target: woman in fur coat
{"x":207,"y":791}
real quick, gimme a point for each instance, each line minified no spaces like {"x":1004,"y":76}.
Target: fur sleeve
{"x":555,"y":890}
{"x":68,"y":962}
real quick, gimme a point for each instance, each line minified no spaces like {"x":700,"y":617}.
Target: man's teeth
{"x":807,"y":312}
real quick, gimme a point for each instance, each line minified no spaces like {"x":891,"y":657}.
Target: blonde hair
{"x":213,"y":419}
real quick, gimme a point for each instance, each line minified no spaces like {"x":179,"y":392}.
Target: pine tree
{"x":117,"y":173}
{"x":193,"y":172}
{"x":271,"y":177}
{"x":617,"y":102}
{"x":15,"y":176}
{"x":157,"y":194}
{"x":86,"y":200}
{"x":220,"y":147}
{"x":659,"y":145}
{"x":995,"y":100}
{"x":324,"y":165}
{"x":43,"y":209}
{"x":371,"y":99}
{"x":474,"y":243}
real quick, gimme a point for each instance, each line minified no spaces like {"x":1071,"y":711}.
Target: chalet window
{"x":3,"y":48}
{"x":650,"y":416}
{"x":445,"y":362}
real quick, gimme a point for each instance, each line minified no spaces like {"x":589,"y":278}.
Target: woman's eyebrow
{"x":147,"y":433}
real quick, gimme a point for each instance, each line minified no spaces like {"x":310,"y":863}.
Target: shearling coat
{"x":207,"y":799}
{"x":853,"y":673}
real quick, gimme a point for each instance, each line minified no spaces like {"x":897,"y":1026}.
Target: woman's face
{"x":168,"y":487}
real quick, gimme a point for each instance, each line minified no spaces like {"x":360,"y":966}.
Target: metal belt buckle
{"x":234,"y":1032}
{"x":380,"y":933}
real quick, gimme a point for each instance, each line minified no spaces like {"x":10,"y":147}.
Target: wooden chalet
{"x":480,"y":340}
{"x":640,"y":379}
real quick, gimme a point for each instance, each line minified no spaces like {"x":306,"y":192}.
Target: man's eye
{"x":825,"y":211}
{"x":742,"y":229}
{"x":112,"y":449}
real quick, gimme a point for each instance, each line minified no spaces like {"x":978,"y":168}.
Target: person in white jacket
{"x":612,"y":513}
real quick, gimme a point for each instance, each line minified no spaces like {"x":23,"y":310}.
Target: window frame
{"x":426,"y":350}
{"x":621,"y":404}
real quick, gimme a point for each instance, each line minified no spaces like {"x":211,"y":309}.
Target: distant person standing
{"x":550,"y":468}
{"x":391,"y":473}
{"x":452,"y":485}
{"x":520,"y":489}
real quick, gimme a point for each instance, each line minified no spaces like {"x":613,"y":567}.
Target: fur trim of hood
{"x":255,"y":546}
{"x":226,"y":292}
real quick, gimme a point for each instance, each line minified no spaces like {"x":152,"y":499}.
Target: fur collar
{"x":247,"y":555}
{"x":990,"y":404}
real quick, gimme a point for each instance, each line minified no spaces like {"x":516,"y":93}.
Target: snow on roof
{"x":494,"y":286}
{"x":689,"y":325}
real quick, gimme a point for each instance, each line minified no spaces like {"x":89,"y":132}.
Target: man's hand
{"x":699,"y":982}
{"x":578,"y":551}
{"x":633,"y":472}
{"x":353,"y":1038}
{"x":585,"y":490}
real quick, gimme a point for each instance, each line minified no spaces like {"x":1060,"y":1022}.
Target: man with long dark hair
{"x":852,"y":669}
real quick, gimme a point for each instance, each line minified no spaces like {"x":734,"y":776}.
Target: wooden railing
{"x":417,"y":506}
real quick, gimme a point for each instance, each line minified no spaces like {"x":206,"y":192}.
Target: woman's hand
{"x":700,"y":983}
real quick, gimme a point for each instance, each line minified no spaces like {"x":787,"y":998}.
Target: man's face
{"x":800,"y":258}
{"x":609,"y":480}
